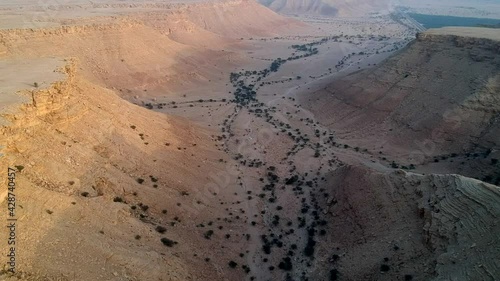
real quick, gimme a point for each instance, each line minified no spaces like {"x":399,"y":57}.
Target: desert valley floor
{"x":190,"y":141}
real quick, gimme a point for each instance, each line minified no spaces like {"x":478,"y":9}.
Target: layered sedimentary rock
{"x":429,"y":227}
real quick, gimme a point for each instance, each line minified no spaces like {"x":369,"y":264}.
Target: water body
{"x":433,"y":21}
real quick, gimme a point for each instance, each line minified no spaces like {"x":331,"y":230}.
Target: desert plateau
{"x":207,"y":140}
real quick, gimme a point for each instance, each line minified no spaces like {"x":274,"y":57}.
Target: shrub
{"x":84,"y":194}
{"x":167,"y":242}
{"x":286,"y":264}
{"x":309,"y":249}
{"x":488,"y":178}
{"x":117,"y":199}
{"x":384,"y":268}
{"x":160,"y":229}
{"x":334,"y":274}
{"x":232,"y":264}
{"x":140,"y":181}
{"x":208,"y":234}
{"x":266,"y":248}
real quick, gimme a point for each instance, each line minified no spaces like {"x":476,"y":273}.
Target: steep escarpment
{"x":434,"y":104}
{"x":469,"y":38}
{"x":157,"y":50}
{"x":99,"y":179}
{"x":405,"y":226}
{"x":432,"y":108}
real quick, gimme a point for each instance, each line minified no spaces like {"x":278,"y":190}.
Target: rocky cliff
{"x":434,"y":104}
{"x":406,"y":226}
{"x":94,"y":173}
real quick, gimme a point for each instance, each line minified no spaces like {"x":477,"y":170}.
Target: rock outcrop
{"x":429,"y":227}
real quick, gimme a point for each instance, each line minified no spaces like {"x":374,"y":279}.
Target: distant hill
{"x":326,"y":7}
